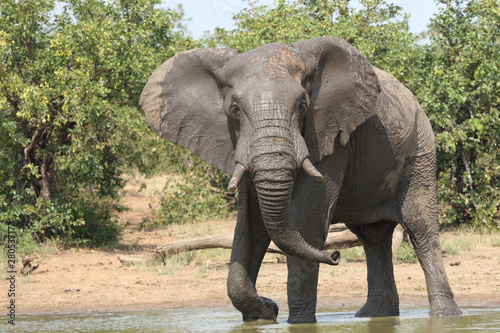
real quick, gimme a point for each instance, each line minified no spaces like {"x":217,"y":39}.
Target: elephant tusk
{"x":235,"y":179}
{"x":311,"y":170}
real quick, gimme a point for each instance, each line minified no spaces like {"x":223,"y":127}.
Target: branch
{"x":11,"y":101}
{"x":132,"y":260}
{"x":367,"y":17}
{"x":28,"y":46}
{"x":471,"y":186}
{"x":109,"y":79}
{"x":469,"y":175}
{"x":69,"y":63}
{"x":46,"y":172}
{"x":32,"y":143}
{"x":335,"y":240}
{"x":471,"y":183}
{"x":97,"y":74}
{"x":59,"y":103}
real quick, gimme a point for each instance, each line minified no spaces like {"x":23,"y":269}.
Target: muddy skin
{"x":318,"y":106}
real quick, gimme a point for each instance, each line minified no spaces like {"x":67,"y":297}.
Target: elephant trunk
{"x":274,"y":200}
{"x":275,"y":157}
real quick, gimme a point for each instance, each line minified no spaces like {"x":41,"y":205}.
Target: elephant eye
{"x":303,"y":106}
{"x":235,"y":110}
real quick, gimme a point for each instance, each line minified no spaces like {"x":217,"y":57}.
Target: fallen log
{"x":341,"y":240}
{"x":223,"y":241}
{"x":132,"y":260}
{"x":335,"y":240}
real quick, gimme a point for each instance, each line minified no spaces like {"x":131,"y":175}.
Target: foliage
{"x":405,"y":253}
{"x":353,"y":254}
{"x":458,"y":245}
{"x":457,"y":83}
{"x":199,"y":195}
{"x":495,"y":242}
{"x":378,"y":30}
{"x":70,"y":82}
{"x":100,"y":225}
{"x":455,"y":78}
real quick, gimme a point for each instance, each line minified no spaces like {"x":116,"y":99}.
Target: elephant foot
{"x":444,"y":306}
{"x":271,"y":305}
{"x":302,"y":315}
{"x":267,"y":312}
{"x":301,"y":320}
{"x":378,"y":309}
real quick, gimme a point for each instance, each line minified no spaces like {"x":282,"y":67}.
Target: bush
{"x":70,"y":82}
{"x":100,"y":227}
{"x":405,"y":253}
{"x":455,"y":78}
{"x":199,"y":195}
{"x":87,"y":220}
{"x":457,"y":83}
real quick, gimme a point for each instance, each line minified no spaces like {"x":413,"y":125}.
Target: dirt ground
{"x":86,"y":280}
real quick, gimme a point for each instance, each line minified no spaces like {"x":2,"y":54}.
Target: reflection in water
{"x":306,"y":328}
{"x":383,"y":325}
{"x":441,"y":324}
{"x":229,"y":320}
{"x":255,"y":326}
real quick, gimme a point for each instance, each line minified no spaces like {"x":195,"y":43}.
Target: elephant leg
{"x":310,"y":217}
{"x":302,"y":283}
{"x":421,"y":222}
{"x":250,"y":243}
{"x":302,"y":288}
{"x":311,"y":212}
{"x":382,"y":300}
{"x":248,"y":251}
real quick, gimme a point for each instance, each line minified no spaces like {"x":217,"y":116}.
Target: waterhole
{"x":229,"y":320}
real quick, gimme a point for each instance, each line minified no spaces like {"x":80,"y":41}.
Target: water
{"x":229,"y":320}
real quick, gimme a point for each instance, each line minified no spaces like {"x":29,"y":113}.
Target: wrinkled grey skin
{"x":272,"y":107}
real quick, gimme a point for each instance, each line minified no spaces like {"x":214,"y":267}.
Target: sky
{"x":208,"y":14}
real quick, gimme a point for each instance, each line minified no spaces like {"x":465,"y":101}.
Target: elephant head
{"x":269,"y":112}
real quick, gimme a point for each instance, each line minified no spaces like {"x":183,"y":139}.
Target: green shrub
{"x":405,"y":254}
{"x":458,"y":245}
{"x":495,"y":241}
{"x":71,"y":79}
{"x":100,"y":227}
{"x":86,"y":220}
{"x":353,"y":254}
{"x":199,"y":195}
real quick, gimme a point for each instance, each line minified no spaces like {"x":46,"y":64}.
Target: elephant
{"x":312,"y":134}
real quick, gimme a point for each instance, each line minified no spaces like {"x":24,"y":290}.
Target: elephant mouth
{"x":273,"y":166}
{"x":239,"y":170}
{"x":274,"y":198}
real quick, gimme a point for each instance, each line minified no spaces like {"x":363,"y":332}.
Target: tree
{"x":454,"y":77}
{"x":70,"y":82}
{"x":458,"y":85}
{"x":378,"y":30}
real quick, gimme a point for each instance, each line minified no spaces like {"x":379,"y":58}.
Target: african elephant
{"x":314,"y":135}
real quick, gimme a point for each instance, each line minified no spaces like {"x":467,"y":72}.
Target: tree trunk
{"x":335,"y":240}
{"x":46,"y":174}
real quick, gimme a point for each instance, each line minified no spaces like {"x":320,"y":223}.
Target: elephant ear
{"x":183,"y":103}
{"x":344,"y":90}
